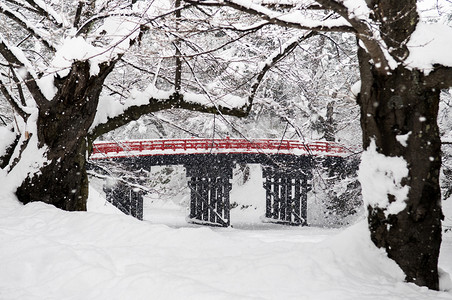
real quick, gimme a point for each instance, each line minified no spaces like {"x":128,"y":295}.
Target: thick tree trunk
{"x":62,"y":183}
{"x":63,"y":125}
{"x":395,"y":104}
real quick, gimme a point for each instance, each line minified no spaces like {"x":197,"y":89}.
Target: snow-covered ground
{"x":46,"y":253}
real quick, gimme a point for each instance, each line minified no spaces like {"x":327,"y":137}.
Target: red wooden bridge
{"x":286,"y":169}
{"x":132,"y":148}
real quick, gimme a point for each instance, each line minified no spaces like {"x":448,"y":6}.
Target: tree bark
{"x":399,"y":103}
{"x":63,"y":125}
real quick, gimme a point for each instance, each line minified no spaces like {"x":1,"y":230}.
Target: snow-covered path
{"x":46,"y":253}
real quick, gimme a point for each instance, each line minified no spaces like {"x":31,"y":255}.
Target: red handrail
{"x":169,"y":146}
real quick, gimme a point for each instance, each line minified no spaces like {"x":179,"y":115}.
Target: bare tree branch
{"x":47,"y":12}
{"x":26,"y":25}
{"x":295,"y":5}
{"x":273,"y":59}
{"x":139,"y":68}
{"x":19,"y":87}
{"x":87,"y":25}
{"x":29,"y":80}
{"x":24,"y":5}
{"x":78,"y":13}
{"x":199,"y":51}
{"x":84,"y":28}
{"x":12,"y":101}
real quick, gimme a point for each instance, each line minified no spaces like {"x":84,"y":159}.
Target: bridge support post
{"x":210,"y":187}
{"x":286,"y":195}
{"x":126,"y":199}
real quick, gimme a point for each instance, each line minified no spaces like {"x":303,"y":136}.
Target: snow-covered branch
{"x":41,"y":35}
{"x":12,"y":100}
{"x":354,"y":18}
{"x":114,"y":115}
{"x":45,"y":10}
{"x":86,"y":26}
{"x":17,"y":59}
{"x":294,"y":19}
{"x":142,"y":17}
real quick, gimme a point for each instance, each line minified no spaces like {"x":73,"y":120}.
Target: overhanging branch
{"x":174,"y":101}
{"x":360,"y":27}
{"x":274,"y":17}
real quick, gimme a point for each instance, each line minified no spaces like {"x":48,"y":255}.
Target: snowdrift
{"x":46,"y":253}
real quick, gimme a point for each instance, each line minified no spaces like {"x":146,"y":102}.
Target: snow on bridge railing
{"x":202,"y":146}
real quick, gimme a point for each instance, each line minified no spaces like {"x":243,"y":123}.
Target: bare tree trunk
{"x":400,"y":103}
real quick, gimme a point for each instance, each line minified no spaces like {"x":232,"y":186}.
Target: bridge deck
{"x":134,"y":148}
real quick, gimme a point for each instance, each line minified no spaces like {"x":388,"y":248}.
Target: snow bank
{"x":46,"y":253}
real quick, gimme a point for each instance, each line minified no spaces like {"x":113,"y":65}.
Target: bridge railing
{"x":198,"y":145}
